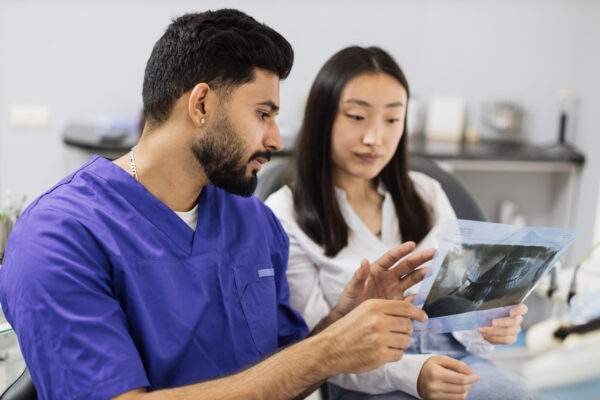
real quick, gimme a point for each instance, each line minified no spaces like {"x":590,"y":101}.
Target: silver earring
{"x":202,"y":121}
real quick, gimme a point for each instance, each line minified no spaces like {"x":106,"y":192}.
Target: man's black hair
{"x":221,"y":48}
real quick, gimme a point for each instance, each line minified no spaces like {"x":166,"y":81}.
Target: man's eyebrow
{"x":269,"y":103}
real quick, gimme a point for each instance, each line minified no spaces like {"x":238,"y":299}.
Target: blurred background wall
{"x":86,"y":59}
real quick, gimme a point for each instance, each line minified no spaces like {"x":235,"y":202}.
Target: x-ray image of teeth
{"x":481,"y":270}
{"x":486,"y":276}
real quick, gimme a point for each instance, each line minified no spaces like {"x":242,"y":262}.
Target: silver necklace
{"x":132,"y":164}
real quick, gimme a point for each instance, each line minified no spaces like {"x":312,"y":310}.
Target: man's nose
{"x":273,"y":138}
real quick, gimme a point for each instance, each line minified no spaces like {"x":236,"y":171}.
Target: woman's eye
{"x":355,"y":117}
{"x":393,"y":120}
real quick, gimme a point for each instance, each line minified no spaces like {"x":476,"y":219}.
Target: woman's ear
{"x":197,"y":108}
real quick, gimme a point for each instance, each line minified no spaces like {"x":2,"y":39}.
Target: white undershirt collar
{"x":189,"y":217}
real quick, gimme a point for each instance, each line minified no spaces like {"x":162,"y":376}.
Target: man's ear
{"x":201,"y":104}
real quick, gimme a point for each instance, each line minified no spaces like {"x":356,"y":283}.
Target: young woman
{"x":352,"y":195}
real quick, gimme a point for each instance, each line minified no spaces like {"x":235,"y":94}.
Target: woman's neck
{"x":357,"y":189}
{"x":364,"y":199}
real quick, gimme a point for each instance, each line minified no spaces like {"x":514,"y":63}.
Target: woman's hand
{"x":505,"y":330}
{"x":380,"y":281}
{"x":443,"y":377}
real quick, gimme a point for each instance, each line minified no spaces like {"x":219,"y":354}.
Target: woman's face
{"x":368,"y":125}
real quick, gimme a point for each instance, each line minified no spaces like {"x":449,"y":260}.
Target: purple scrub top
{"x":109,"y":290}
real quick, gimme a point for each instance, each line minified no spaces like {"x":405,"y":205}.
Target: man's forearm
{"x":285,"y":375}
{"x":329,"y":319}
{"x":374,"y":333}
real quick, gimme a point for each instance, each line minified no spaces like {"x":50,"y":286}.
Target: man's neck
{"x":167,"y":168}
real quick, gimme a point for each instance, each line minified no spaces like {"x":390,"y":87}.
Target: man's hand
{"x":374,"y":333}
{"x":505,"y":330}
{"x":380,"y":281}
{"x":443,"y":377}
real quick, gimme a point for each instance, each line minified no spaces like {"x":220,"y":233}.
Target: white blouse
{"x":316,"y":280}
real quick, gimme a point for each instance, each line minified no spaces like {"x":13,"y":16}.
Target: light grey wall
{"x":86,"y":59}
{"x":587,"y":85}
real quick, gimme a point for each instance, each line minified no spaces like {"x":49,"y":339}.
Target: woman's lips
{"x":368,"y":157}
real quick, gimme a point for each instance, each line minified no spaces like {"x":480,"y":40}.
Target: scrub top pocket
{"x":258,"y":299}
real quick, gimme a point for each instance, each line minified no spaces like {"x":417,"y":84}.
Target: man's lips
{"x":258,"y":162}
{"x":259,"y":158}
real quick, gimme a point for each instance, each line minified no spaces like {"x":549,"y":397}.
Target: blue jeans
{"x":494,"y":383}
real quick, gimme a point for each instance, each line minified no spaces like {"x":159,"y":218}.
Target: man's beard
{"x":222,"y":154}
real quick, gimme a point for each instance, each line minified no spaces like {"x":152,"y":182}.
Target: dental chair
{"x":465,"y":206}
{"x":21,"y":389}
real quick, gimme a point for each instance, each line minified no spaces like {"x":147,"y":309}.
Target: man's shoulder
{"x":73,"y":202}
{"x":67,"y":198}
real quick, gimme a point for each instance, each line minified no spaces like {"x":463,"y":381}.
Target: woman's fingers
{"x":454,"y":388}
{"x":501,"y":330}
{"x":501,"y":334}
{"x":493,"y":339}
{"x":454,"y":365}
{"x":521,"y":309}
{"x":413,"y":261}
{"x":508,"y":321}
{"x":394,"y":255}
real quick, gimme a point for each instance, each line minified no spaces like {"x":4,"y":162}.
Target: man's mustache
{"x":261,"y":154}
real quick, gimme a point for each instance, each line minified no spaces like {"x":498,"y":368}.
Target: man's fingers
{"x":410,"y":298}
{"x":392,"y":256}
{"x":396,"y":324}
{"x":398,"y":340}
{"x":393,"y":355}
{"x":400,"y":308}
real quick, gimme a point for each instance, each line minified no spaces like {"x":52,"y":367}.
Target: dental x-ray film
{"x":481,"y":270}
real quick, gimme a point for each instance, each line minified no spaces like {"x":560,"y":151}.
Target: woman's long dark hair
{"x":317,"y":210}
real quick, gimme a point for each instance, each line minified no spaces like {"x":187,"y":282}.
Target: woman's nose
{"x":372,"y":136}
